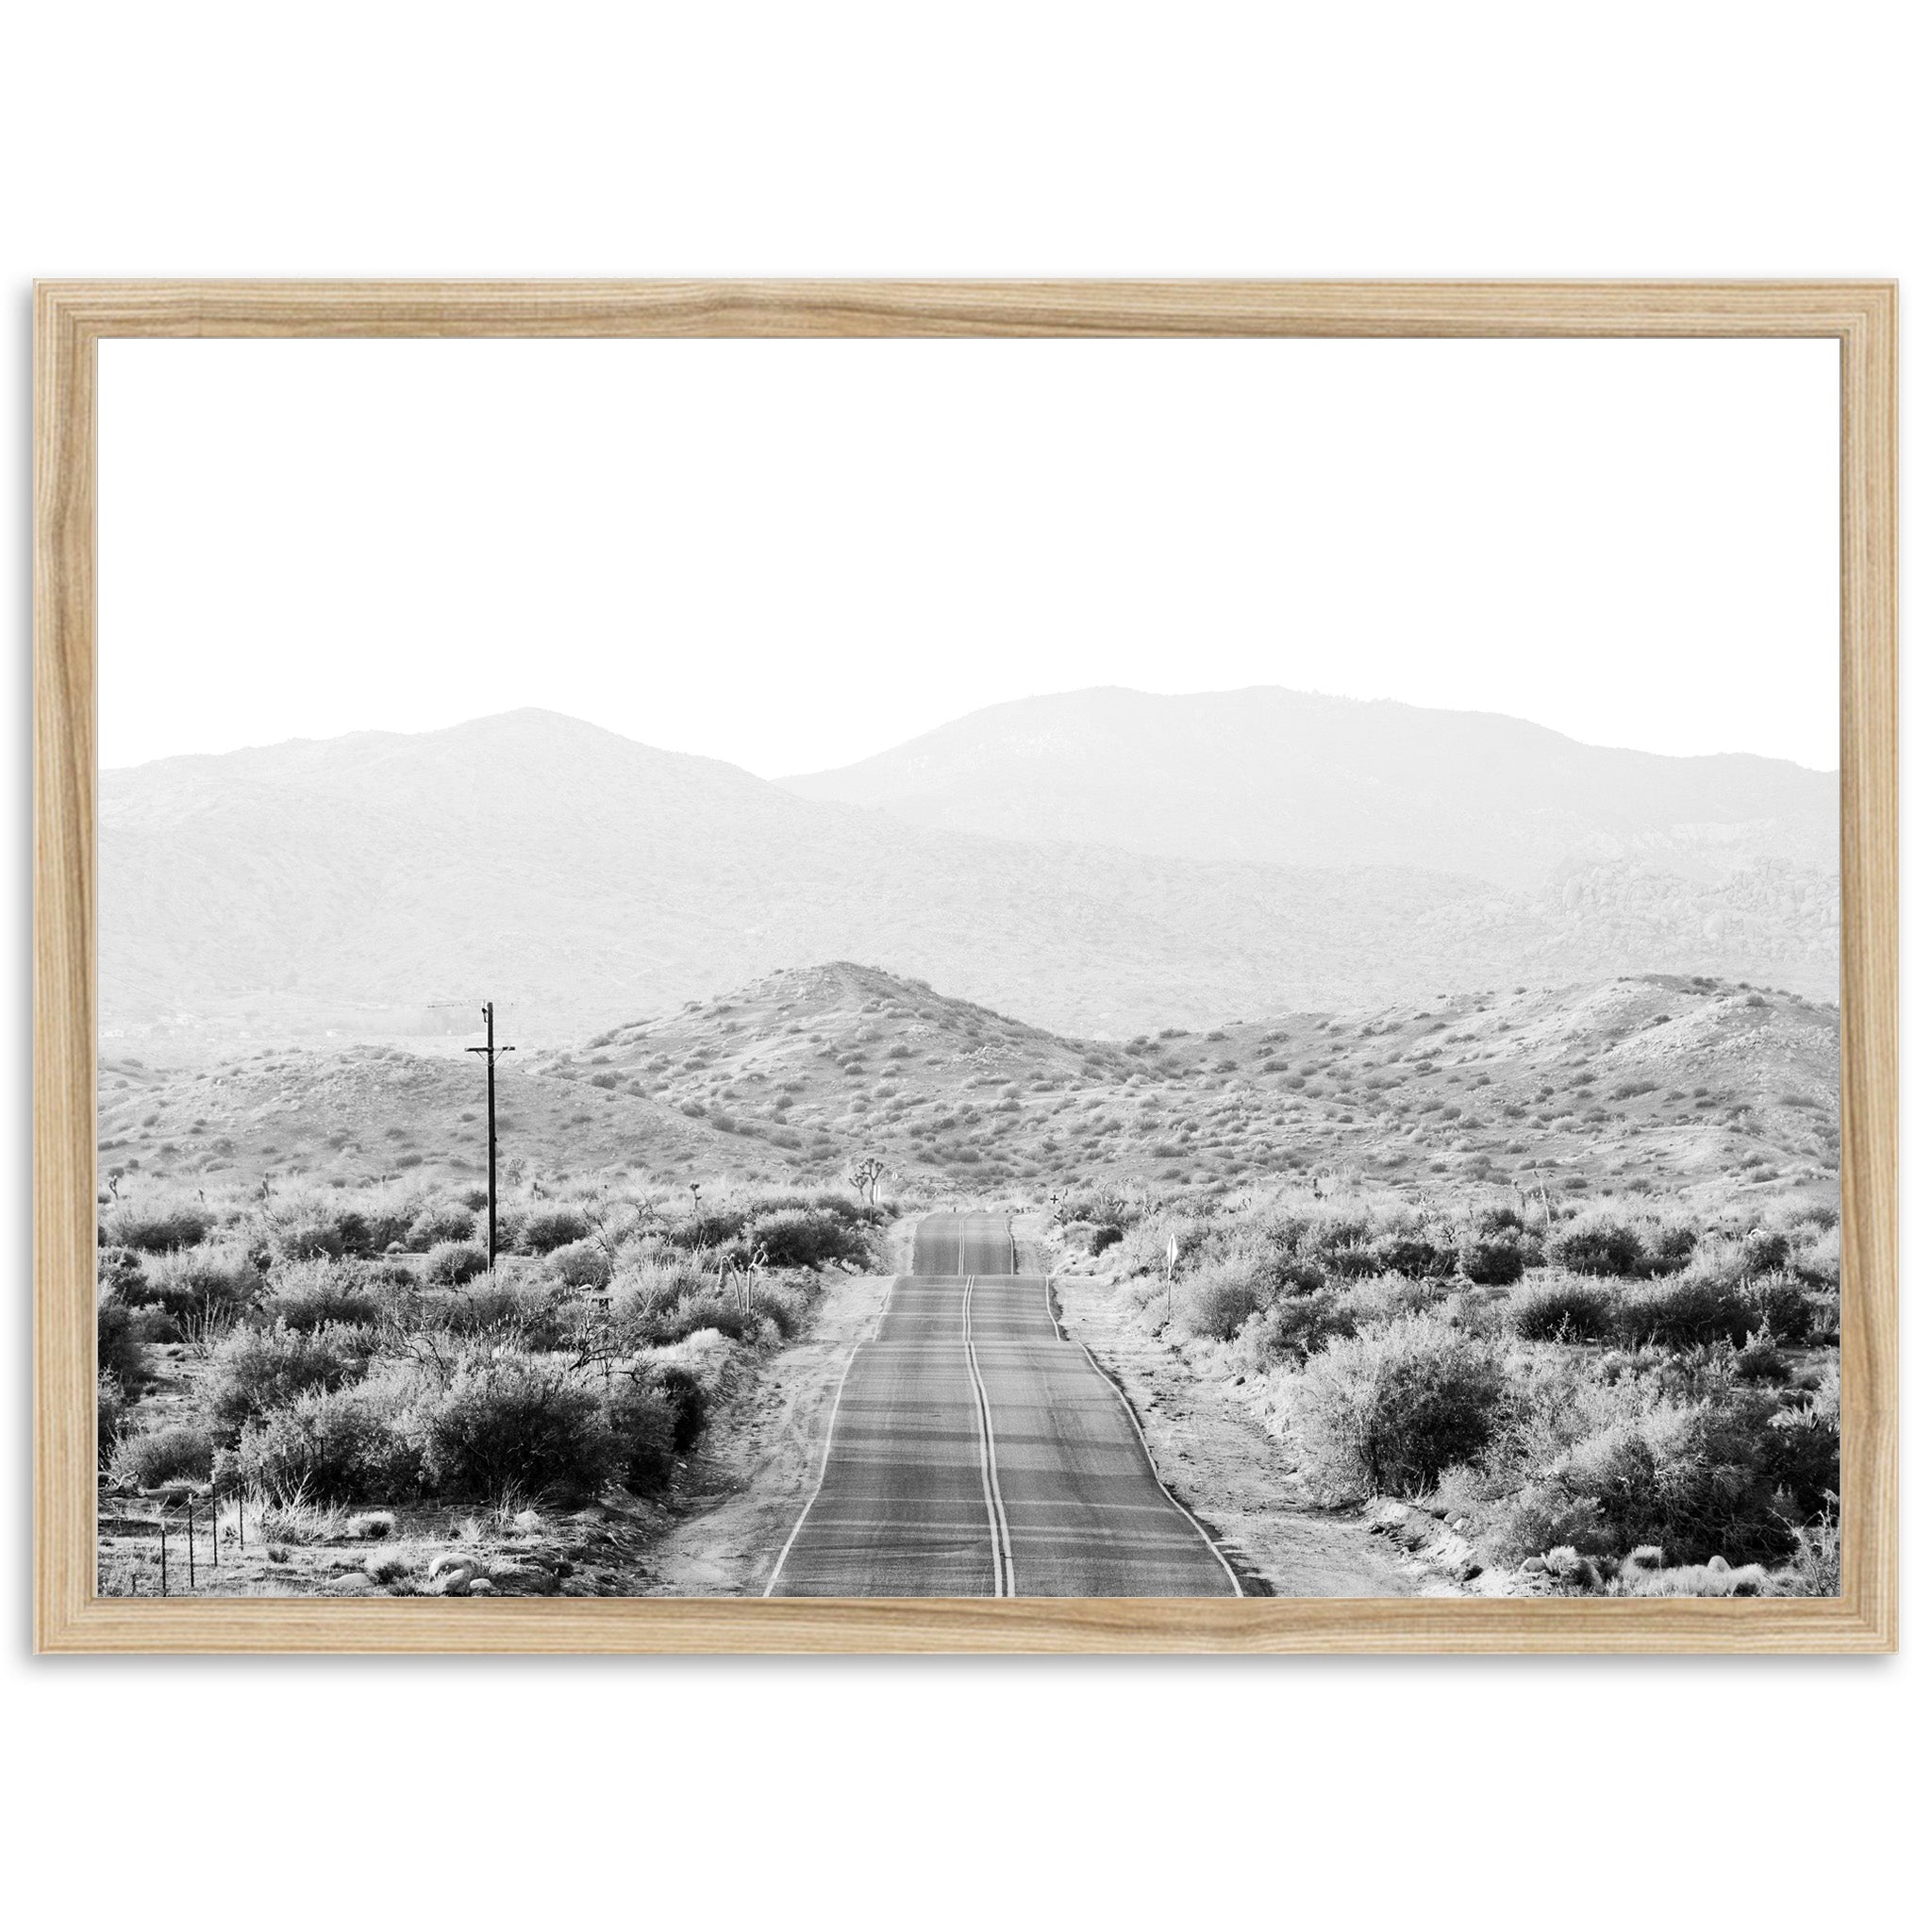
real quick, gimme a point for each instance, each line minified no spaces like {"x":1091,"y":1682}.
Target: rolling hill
{"x":1654,"y":1082}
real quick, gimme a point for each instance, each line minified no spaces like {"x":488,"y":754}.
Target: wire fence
{"x":182,"y":1544}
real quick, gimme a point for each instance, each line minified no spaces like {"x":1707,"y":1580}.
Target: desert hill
{"x":1657,"y":1081}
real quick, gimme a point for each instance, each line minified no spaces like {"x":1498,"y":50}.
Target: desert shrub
{"x":156,"y":1228}
{"x":255,"y":1370}
{"x":1565,"y":1310}
{"x":532,"y":1317}
{"x":448,"y":1222}
{"x":804,"y":1238}
{"x":1669,"y":1248}
{"x":119,"y":1354}
{"x":1597,"y":1244}
{"x":330,"y":1445}
{"x":309,"y":1294}
{"x":376,"y":1225}
{"x":689,"y":1405}
{"x":118,"y":1270}
{"x":110,"y":1409}
{"x":581,"y":1264}
{"x":1413,"y":1253}
{"x":643,"y":1428}
{"x":1815,"y":1258}
{"x":1217,"y":1299}
{"x":711,"y":1228}
{"x":452,"y":1264}
{"x":546,"y":1228}
{"x":1298,"y":1326}
{"x":192,"y":1284}
{"x":511,"y":1421}
{"x":786,"y":1308}
{"x":1759,"y":1361}
{"x":1350,"y":1260}
{"x":1390,"y":1411}
{"x":167,"y":1452}
{"x":309,"y":1235}
{"x":1783,"y":1305}
{"x":1815,"y":1567}
{"x":1104,"y":1238}
{"x":1765,"y":1249}
{"x":1377,"y":1298}
{"x":1727,"y":1475}
{"x":1327,"y":1236}
{"x":1684,"y":1311}
{"x":703,"y":1311}
{"x":1492,"y":1260}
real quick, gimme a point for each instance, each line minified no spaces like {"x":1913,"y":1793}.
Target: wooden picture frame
{"x":71,"y":317}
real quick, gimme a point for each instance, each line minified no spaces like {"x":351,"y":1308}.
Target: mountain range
{"x":1099,"y":864}
{"x":1296,"y":778}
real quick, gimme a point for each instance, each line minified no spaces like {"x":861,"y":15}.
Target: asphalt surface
{"x":976,"y":1452}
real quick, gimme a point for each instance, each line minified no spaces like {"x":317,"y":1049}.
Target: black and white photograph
{"x":1079,"y":969}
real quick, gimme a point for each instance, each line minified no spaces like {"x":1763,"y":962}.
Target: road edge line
{"x":1153,"y":1470}
{"x":825,"y":1461}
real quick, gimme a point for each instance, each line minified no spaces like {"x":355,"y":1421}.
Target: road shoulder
{"x":1219,"y":1462}
{"x":761,"y":1459}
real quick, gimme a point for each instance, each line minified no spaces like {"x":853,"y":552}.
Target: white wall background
{"x":1019,"y":139}
{"x":792,"y":555}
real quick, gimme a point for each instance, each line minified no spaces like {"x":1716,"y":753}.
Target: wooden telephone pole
{"x":490,"y":1051}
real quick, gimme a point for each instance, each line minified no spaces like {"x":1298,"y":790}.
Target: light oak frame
{"x":73,"y":316}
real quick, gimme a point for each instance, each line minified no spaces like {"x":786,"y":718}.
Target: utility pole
{"x":490,"y":1051}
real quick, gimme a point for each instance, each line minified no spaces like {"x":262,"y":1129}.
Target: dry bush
{"x":512,"y":1422}
{"x":255,"y":1369}
{"x":544,"y":1228}
{"x":311,"y":1294}
{"x":643,"y":1421}
{"x":331,"y":1445}
{"x":155,"y":1226}
{"x":1388,"y":1413}
{"x":1565,"y":1309}
{"x":190,"y":1285}
{"x":1491,"y":1260}
{"x":1598,"y":1243}
{"x":110,"y":1410}
{"x":119,"y":1355}
{"x":1216,"y":1300}
{"x":447,"y":1221}
{"x":450,"y":1264}
{"x":580,"y":1264}
{"x":167,"y":1452}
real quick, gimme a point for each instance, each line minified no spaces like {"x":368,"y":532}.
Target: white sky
{"x":793,"y":553}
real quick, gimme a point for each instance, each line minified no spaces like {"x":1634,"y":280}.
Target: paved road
{"x":976,"y":1452}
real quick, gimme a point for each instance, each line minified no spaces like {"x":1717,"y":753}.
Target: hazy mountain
{"x":580,"y":878}
{"x":1290,"y":778}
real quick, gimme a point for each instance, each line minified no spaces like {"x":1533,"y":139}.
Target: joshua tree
{"x":866,"y":1176}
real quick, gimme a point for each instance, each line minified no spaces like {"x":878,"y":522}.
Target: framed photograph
{"x":844,"y":966}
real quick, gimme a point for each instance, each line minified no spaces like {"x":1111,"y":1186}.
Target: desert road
{"x":974,"y":1451}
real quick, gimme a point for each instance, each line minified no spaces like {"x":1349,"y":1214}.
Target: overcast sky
{"x":791,"y":554}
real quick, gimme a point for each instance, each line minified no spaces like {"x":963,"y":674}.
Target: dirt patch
{"x":1225,"y":1467}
